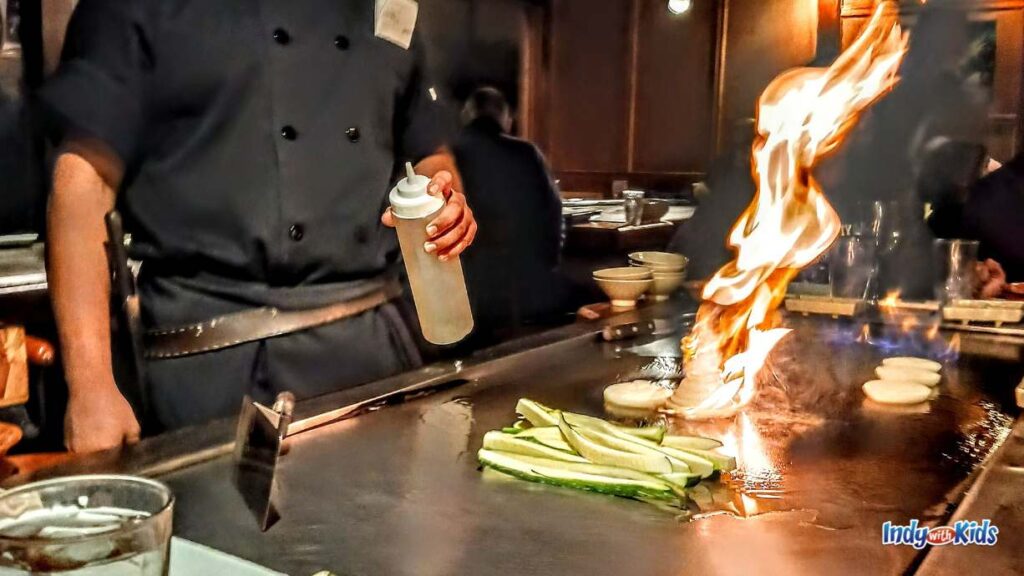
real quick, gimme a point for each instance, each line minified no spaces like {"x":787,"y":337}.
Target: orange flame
{"x":891,"y":300}
{"x":803,"y":115}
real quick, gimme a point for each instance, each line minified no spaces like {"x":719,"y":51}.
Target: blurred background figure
{"x":921,"y":143}
{"x":511,"y":275}
{"x":728,"y":190}
{"x":992,"y":212}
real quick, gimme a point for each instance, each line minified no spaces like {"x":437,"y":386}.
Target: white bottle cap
{"x":409,"y":198}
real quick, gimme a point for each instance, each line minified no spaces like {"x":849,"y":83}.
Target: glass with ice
{"x":86,"y":526}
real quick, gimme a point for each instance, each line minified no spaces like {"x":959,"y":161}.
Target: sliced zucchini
{"x":681,"y":479}
{"x":618,"y":440}
{"x":652,"y":433}
{"x":549,"y":436}
{"x":599,"y":453}
{"x":536,"y":413}
{"x":521,"y":425}
{"x":721,"y":462}
{"x":508,"y":443}
{"x":579,"y":476}
{"x":510,"y":430}
{"x":690,"y":442}
{"x":697,"y":464}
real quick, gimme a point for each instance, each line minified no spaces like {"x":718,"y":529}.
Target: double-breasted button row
{"x":282,"y":37}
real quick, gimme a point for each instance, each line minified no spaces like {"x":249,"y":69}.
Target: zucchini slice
{"x":536,"y":413}
{"x":602,"y":453}
{"x":549,"y":436}
{"x":690,"y":442}
{"x":508,"y":443}
{"x":681,"y":479}
{"x":697,"y":464}
{"x":626,"y":483}
{"x":652,"y":433}
{"x":721,"y":462}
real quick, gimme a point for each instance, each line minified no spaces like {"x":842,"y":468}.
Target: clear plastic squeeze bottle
{"x":438,"y":288}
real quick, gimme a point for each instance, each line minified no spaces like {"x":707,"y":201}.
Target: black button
{"x":281,"y":36}
{"x":341,"y":42}
{"x":353,"y":134}
{"x":296,"y":232}
{"x":289,"y":133}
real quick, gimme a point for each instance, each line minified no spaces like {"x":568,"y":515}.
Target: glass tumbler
{"x":633,"y":203}
{"x":955,"y":264}
{"x":851,"y":266}
{"x":100,"y":525}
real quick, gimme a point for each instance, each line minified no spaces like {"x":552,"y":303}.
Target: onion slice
{"x":891,"y":392}
{"x":638,"y":394}
{"x":901,"y":374}
{"x":911,"y":362}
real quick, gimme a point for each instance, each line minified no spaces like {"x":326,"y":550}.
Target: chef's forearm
{"x":78,"y":271}
{"x":441,"y":160}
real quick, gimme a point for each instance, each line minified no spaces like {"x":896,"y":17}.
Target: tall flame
{"x":803,"y":115}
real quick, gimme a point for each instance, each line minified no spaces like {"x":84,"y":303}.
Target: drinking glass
{"x":886,"y":226}
{"x":633,"y":202}
{"x":956,"y":260}
{"x":86,"y":526}
{"x":851,"y":266}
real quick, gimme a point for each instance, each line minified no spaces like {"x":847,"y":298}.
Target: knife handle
{"x":625,"y":331}
{"x":284,"y":404}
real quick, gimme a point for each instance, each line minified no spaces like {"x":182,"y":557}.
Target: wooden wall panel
{"x":763,"y":38}
{"x":674,"y":88}
{"x":588,"y":97}
{"x":1005,"y":118}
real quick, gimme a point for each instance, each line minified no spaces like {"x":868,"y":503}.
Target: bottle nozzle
{"x":409,"y":172}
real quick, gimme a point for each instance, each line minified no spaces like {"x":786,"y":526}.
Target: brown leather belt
{"x":252,"y":325}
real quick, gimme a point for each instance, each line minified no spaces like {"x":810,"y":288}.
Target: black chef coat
{"x":259,"y":139}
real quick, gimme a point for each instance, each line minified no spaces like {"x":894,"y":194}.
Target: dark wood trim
{"x":634,"y":58}
{"x":864,"y":7}
{"x":830,"y":30}
{"x":529,"y":75}
{"x":721,"y":58}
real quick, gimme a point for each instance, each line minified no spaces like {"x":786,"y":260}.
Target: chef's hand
{"x":991,"y":279}
{"x":99,"y":420}
{"x":454,"y":229}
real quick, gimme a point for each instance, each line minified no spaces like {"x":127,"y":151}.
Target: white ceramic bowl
{"x":666,"y":283}
{"x":660,"y":261}
{"x":624,"y":293}
{"x":625,"y":273}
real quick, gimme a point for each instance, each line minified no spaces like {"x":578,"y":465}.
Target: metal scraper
{"x":257,"y":451}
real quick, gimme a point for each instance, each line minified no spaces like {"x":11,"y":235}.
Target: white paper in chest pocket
{"x":395,"y":21}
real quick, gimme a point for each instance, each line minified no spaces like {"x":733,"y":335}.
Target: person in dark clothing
{"x":991,"y":214}
{"x":886,"y":159}
{"x":250,"y":148}
{"x":731,"y":187}
{"x":511,"y":272}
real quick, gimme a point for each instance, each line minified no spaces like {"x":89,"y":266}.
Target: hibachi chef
{"x":250,"y":147}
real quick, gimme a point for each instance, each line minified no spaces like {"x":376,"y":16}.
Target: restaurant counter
{"x":393,"y":487}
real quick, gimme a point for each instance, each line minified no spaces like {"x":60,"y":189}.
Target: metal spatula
{"x":257,"y":451}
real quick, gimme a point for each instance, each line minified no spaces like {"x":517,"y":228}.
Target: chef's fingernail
{"x":443,"y":258}
{"x":434,"y":189}
{"x":430,"y":247}
{"x":431,"y":230}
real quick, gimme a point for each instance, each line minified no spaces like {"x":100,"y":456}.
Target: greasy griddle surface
{"x":397,"y":491}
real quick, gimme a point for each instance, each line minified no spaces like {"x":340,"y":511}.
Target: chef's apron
{"x":200,"y":387}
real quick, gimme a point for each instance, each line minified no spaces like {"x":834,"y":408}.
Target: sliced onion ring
{"x":640,"y":394}
{"x":901,"y":374}
{"x":911,"y":362}
{"x":890,"y":392}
